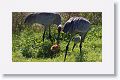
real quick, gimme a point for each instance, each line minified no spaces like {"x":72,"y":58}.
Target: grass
{"x":27,"y":46}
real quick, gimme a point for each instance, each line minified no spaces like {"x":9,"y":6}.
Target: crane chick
{"x":55,"y":48}
{"x":77,"y":39}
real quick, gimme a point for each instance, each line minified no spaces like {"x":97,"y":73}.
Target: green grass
{"x":27,"y":46}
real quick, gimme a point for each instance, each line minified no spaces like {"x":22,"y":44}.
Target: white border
{"x":104,"y":67}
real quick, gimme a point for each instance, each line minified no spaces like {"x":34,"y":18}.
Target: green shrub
{"x":31,"y":45}
{"x":44,"y":51}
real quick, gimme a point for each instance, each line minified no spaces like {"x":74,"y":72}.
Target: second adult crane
{"x":76,"y":25}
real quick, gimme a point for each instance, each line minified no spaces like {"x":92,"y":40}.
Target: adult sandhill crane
{"x":76,"y":25}
{"x":46,"y":19}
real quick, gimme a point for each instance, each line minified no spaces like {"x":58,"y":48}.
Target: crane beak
{"x":59,"y":28}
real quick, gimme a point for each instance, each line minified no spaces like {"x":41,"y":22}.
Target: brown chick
{"x":55,"y":48}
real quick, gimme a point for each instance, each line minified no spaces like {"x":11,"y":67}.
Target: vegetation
{"x":27,"y":44}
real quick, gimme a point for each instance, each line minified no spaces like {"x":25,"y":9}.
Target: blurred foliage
{"x":28,"y":46}
{"x":94,"y":17}
{"x":18,"y":21}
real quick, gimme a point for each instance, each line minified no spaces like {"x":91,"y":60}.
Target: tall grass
{"x":27,"y":46}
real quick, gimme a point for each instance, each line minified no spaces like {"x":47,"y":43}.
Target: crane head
{"x":59,"y":28}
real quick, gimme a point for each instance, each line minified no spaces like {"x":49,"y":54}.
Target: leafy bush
{"x":45,"y":51}
{"x":31,"y":45}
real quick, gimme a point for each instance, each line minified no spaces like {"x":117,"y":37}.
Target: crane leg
{"x":67,"y":47}
{"x":73,"y":46}
{"x":50,"y":37}
{"x":80,"y":46}
{"x":44,"y":34}
{"x":82,"y":40}
{"x":58,"y":38}
{"x":81,"y":54}
{"x":66,"y":51}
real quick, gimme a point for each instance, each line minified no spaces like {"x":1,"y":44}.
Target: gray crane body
{"x":76,"y":25}
{"x":46,"y":19}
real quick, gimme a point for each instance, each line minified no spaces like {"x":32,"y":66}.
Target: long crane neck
{"x":59,"y":30}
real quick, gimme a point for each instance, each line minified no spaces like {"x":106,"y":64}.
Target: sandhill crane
{"x":76,"y":25}
{"x":46,"y":19}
